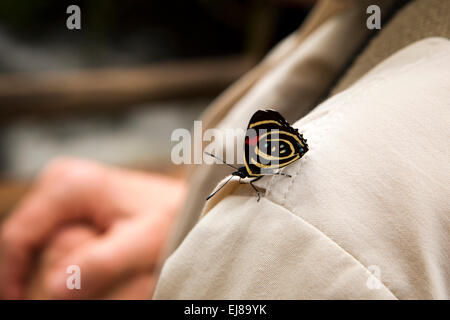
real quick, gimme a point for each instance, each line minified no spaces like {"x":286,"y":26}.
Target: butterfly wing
{"x":271,"y":143}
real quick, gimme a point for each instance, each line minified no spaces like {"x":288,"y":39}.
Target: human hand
{"x":116,"y":221}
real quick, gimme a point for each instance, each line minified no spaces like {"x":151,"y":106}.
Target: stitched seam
{"x":337,"y":245}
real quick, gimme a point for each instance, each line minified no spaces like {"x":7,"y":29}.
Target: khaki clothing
{"x":372,"y":193}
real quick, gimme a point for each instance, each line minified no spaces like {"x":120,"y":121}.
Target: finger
{"x":19,"y":239}
{"x":127,"y":249}
{"x":50,"y":205}
{"x":64,"y":242}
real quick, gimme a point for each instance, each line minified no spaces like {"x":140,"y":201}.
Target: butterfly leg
{"x":257,"y":191}
{"x":283,"y":174}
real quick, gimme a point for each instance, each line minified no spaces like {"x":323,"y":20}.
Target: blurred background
{"x":116,"y":89}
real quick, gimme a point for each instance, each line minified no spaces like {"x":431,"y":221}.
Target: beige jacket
{"x":366,"y":214}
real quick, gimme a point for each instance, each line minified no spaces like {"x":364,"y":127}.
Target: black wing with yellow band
{"x":271,"y":143}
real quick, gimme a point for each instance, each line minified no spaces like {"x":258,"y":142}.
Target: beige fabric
{"x":292,"y":79}
{"x":418,"y":20}
{"x":373,"y":191}
{"x":258,"y":264}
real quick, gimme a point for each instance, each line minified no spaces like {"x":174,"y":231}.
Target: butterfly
{"x":271,"y":143}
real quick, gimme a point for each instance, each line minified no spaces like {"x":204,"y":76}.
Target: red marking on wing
{"x":252,"y":141}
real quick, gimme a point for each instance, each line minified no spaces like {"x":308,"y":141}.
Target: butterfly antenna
{"x":212,"y":194}
{"x":211,"y":155}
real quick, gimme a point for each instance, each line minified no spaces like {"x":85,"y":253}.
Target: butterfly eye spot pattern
{"x":263,"y":126}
